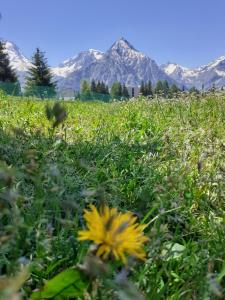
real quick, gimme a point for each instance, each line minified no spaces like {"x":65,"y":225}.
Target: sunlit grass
{"x":162,"y":160}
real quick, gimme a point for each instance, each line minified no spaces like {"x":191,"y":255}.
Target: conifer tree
{"x":166,"y":88}
{"x":85,"y":87}
{"x":93,"y":86}
{"x":193,"y":90}
{"x":8,"y":78}
{"x":213,"y":88}
{"x":142,"y":88}
{"x":98,"y":87}
{"x":174,"y":90}
{"x":39,"y":82}
{"x":125,"y":92}
{"x":85,"y":90}
{"x":159,"y":88}
{"x":103,"y":88}
{"x":116,"y":90}
{"x":149,"y":88}
{"x":120,"y":90}
{"x":107,"y":90}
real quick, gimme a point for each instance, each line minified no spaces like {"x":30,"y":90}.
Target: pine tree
{"x":142,"y":88}
{"x":166,"y":88}
{"x":93,"y":86}
{"x":98,"y":87}
{"x":39,"y":81}
{"x":125,"y":92}
{"x":103,"y":88}
{"x":85,"y":87}
{"x":107,"y":90}
{"x":149,"y":88}
{"x":8,"y":78}
{"x":85,"y":90}
{"x":174,"y":90}
{"x":159,"y":88}
{"x":193,"y":90}
{"x":120,"y":90}
{"x":116,"y":90}
{"x":213,"y":88}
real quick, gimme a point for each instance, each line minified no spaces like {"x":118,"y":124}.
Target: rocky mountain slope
{"x":203,"y":77}
{"x":18,"y":61}
{"x":122,"y":62}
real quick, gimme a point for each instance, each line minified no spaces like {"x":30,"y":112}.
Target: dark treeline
{"x":99,"y":87}
{"x":146,"y":89}
{"x":99,"y":90}
{"x":162,"y":88}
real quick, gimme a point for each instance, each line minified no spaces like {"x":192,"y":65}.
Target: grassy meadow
{"x":163,"y":160}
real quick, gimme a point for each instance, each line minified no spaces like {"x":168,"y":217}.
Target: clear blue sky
{"x":189,"y":32}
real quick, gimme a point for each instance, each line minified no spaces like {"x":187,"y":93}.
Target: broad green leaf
{"x":68,"y":284}
{"x":172,"y":251}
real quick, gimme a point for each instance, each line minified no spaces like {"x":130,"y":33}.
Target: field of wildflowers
{"x":120,"y":200}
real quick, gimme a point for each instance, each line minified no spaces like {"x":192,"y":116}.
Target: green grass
{"x":163,"y":160}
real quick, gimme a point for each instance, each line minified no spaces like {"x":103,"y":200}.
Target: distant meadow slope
{"x":164,"y":160}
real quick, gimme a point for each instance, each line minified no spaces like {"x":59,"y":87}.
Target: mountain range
{"x":202,"y":77}
{"x":123,"y":63}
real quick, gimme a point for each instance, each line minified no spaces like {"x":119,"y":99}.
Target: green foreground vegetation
{"x":161,"y":159}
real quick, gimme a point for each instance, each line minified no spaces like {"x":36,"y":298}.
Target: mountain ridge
{"x":206,"y":76}
{"x":121,"y":62}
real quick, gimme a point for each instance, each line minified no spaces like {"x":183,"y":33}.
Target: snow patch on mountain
{"x":203,"y":77}
{"x":77,"y":62}
{"x":17,"y":60}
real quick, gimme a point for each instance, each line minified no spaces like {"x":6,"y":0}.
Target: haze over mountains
{"x":123,"y":63}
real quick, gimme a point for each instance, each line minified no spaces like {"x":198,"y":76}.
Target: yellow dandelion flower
{"x":114,"y":233}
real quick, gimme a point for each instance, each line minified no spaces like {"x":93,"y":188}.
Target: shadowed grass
{"x":162,"y":160}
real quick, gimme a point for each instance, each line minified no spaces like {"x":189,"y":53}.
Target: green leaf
{"x":172,"y":251}
{"x":68,"y":284}
{"x":222,"y":274}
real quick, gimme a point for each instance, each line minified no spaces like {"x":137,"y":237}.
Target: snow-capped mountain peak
{"x":96,"y":53}
{"x":123,"y":52}
{"x":122,"y":43}
{"x":83,"y":59}
{"x":171,"y":68}
{"x":215,"y":63}
{"x":122,"y":62}
{"x":205,"y":76}
{"x":17,"y":60}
